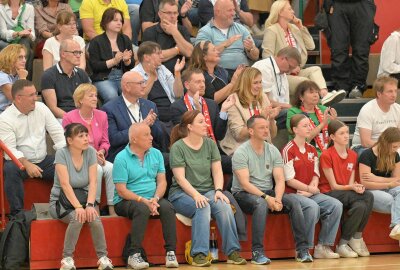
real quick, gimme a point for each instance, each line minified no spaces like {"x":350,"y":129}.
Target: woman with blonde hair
{"x":65,"y":29}
{"x":17,"y":27}
{"x":283,"y":29}
{"x":250,"y":100}
{"x":380,"y":174}
{"x":85,"y":98}
{"x":12,"y":68}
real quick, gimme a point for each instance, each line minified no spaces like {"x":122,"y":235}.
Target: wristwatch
{"x":218,"y":189}
{"x":89,"y":204}
{"x":264,"y":196}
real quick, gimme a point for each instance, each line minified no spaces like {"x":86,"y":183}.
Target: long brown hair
{"x":333,"y":126}
{"x":243,"y":87}
{"x":386,"y":157}
{"x":198,"y":54}
{"x":181,"y":130}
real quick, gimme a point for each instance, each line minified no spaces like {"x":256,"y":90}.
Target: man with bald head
{"x":231,"y":39}
{"x":60,"y":81}
{"x":140,"y":184}
{"x":130,"y":108}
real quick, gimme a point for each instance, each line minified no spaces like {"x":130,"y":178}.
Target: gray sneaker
{"x":355,"y":93}
{"x":136,"y":262}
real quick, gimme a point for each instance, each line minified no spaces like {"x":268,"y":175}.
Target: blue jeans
{"x":359,"y":149}
{"x":110,"y":88}
{"x":325,"y":208}
{"x":14,"y":181}
{"x":135,"y":22}
{"x":388,"y":201}
{"x":221,"y":211}
{"x":257,"y":206}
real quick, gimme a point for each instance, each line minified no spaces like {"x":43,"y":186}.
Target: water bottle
{"x":213,"y":244}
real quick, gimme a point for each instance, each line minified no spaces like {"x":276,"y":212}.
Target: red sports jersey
{"x":298,"y":165}
{"x":342,"y":168}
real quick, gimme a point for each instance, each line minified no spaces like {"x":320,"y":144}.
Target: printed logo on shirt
{"x":310,"y":156}
{"x":296,"y":158}
{"x":350,"y":166}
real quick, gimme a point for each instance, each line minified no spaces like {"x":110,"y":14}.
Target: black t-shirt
{"x":156,"y":33}
{"x":216,"y":83}
{"x":55,"y":78}
{"x":369,"y":159}
{"x":160,"y":98}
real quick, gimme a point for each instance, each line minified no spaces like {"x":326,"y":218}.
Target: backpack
{"x":14,"y":243}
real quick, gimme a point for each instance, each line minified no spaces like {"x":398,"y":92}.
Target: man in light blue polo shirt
{"x":139,"y":177}
{"x":231,"y":39}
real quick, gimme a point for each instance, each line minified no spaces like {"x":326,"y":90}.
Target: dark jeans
{"x":351,"y":25}
{"x":14,"y":182}
{"x":258,"y":208}
{"x":139,"y":213}
{"x":356,"y":210}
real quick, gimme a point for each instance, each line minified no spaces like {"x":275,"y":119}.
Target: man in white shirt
{"x":377,"y":115}
{"x":274,"y":80}
{"x":23,"y":129}
{"x":389,"y":64}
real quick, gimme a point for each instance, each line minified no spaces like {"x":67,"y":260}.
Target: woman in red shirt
{"x":302,"y":177}
{"x":338,"y":166}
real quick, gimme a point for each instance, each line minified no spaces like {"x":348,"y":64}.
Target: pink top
{"x":98,"y":128}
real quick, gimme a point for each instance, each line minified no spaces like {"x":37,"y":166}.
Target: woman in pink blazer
{"x":85,"y":98}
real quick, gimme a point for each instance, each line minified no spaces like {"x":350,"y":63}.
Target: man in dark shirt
{"x":60,"y":81}
{"x":173,"y":38}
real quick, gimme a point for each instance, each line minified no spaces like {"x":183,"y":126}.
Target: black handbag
{"x":64,"y":206}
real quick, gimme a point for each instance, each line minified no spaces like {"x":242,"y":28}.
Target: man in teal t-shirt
{"x":140,"y":184}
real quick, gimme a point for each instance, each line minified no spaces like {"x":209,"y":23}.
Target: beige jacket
{"x":274,"y":41}
{"x":237,"y":118}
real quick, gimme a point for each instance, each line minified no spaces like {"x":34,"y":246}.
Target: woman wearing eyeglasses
{"x":284,"y":29}
{"x":206,"y":57}
{"x":12,"y":68}
{"x":110,"y":55}
{"x":65,"y":29}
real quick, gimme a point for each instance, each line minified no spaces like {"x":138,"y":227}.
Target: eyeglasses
{"x":170,"y":13}
{"x":30,"y":95}
{"x":142,"y":83}
{"x":75,"y":53}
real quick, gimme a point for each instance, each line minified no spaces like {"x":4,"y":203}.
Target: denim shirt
{"x":165,"y":77}
{"x":5,"y":79}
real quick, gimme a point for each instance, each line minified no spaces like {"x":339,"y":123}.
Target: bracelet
{"x":79,"y":206}
{"x":139,"y":199}
{"x":218,"y":189}
{"x":183,"y":17}
{"x":157,"y":198}
{"x":177,"y":49}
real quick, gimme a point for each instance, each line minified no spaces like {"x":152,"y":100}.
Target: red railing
{"x":4,"y":149}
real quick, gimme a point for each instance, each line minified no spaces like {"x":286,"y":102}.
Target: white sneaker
{"x":136,"y":262}
{"x":324,"y":252}
{"x":104,"y":263}
{"x":333,"y":97}
{"x":359,"y":246}
{"x":67,"y":264}
{"x":395,"y":233}
{"x":345,"y":251}
{"x":170,"y":260}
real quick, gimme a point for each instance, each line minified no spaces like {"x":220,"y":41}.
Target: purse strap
{"x":19,"y":23}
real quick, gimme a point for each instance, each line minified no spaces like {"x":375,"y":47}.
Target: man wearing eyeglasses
{"x":173,"y":38}
{"x":60,"y":81}
{"x":23,"y":128}
{"x":130,"y":108}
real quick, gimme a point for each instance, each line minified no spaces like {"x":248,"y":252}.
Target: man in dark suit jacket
{"x":131,"y":108}
{"x":194,"y":83}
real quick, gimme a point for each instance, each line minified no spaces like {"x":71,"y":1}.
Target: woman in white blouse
{"x":66,"y":29}
{"x":10,"y":13}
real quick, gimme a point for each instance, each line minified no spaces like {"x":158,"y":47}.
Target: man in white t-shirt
{"x":377,"y":115}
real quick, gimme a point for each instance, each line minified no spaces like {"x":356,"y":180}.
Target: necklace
{"x":87,"y":120}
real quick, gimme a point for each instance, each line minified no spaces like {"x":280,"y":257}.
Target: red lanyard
{"x":322,"y":138}
{"x":205,"y":112}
